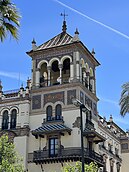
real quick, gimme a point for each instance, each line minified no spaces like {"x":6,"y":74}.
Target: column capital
{"x":60,"y":66}
{"x":48,"y":67}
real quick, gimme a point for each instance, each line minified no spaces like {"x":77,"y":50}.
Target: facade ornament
{"x":34,"y":46}
{"x":76,"y":36}
{"x":64,"y":27}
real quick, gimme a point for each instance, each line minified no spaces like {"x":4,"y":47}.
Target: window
{"x":116,"y":151}
{"x":90,"y":146}
{"x":58,"y":112}
{"x":49,"y":113}
{"x":13,"y":119}
{"x":124,"y":146}
{"x":88,"y":116}
{"x":5,"y":120}
{"x":111,"y":165}
{"x":53,"y":147}
{"x":110,"y":148}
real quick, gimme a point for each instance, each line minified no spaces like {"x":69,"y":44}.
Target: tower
{"x":63,"y":69}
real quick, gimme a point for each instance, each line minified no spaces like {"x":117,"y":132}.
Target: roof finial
{"x":64,"y":27}
{"x":76,"y":36}
{"x":111,"y":118}
{"x":1,"y":86}
{"x":34,"y":47}
{"x":93,"y":52}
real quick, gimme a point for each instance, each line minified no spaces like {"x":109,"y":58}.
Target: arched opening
{"x":91,"y":85}
{"x":58,"y":112}
{"x":86,"y":74}
{"x":49,"y":113}
{"x":55,"y":73}
{"x":43,"y":75}
{"x":13,"y":119}
{"x":5,"y":120}
{"x":66,"y":70}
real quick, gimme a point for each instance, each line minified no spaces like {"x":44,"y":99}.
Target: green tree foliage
{"x":92,"y":167}
{"x":9,"y":20}
{"x":9,"y":159}
{"x":124,"y":100}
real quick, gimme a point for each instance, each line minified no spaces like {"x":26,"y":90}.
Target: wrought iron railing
{"x":56,"y":118}
{"x":11,"y":93}
{"x":89,"y":124}
{"x":43,"y":155}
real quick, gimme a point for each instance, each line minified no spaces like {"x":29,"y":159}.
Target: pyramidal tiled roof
{"x":59,"y":40}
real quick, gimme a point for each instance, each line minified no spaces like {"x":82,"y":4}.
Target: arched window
{"x":66,"y":70}
{"x":58,"y":112}
{"x":49,"y":113}
{"x":13,"y":119}
{"x":5,"y":120}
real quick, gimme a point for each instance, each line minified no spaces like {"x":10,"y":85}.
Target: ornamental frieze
{"x":71,"y":94}
{"x":54,"y":97}
{"x":36,"y":102}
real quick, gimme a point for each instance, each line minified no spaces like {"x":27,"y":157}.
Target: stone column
{"x":71,"y":71}
{"x":77,"y":65}
{"x":105,"y":162}
{"x":1,"y":122}
{"x":88,"y":80}
{"x":37,"y":83}
{"x":81,"y":73}
{"x":33,"y":73}
{"x":60,"y":67}
{"x":49,"y":75}
{"x":84,"y":77}
{"x":9,"y":122}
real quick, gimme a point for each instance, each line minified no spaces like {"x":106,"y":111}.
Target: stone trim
{"x":22,"y":131}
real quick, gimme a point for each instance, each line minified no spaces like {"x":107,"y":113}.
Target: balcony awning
{"x":49,"y":129}
{"x":94,"y":136}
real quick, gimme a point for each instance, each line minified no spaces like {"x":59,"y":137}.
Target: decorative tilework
{"x":36,"y":102}
{"x":54,"y":97}
{"x":71,"y":94}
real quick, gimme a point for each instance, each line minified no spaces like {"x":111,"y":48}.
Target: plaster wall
{"x":21,"y":144}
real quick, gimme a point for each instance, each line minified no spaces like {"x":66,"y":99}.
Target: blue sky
{"x":41,"y":20}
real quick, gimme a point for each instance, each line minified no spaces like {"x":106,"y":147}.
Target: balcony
{"x":51,"y":119}
{"x":89,"y":124}
{"x":46,"y":82}
{"x":66,"y":154}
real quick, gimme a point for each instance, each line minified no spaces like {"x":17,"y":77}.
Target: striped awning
{"x":50,"y":128}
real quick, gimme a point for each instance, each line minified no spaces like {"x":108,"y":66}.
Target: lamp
{"x":83,"y":108}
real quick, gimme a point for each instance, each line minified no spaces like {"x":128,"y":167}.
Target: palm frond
{"x":12,"y":29}
{"x":2,"y":33}
{"x":9,"y":19}
{"x":124,"y":100}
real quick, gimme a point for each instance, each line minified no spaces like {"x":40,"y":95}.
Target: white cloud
{"x":14,"y":75}
{"x":116,"y":103}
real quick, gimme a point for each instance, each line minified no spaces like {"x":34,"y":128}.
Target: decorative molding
{"x":36,"y":102}
{"x":54,"y":97}
{"x":77,"y":123}
{"x":71,"y":94}
{"x":21,"y":131}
